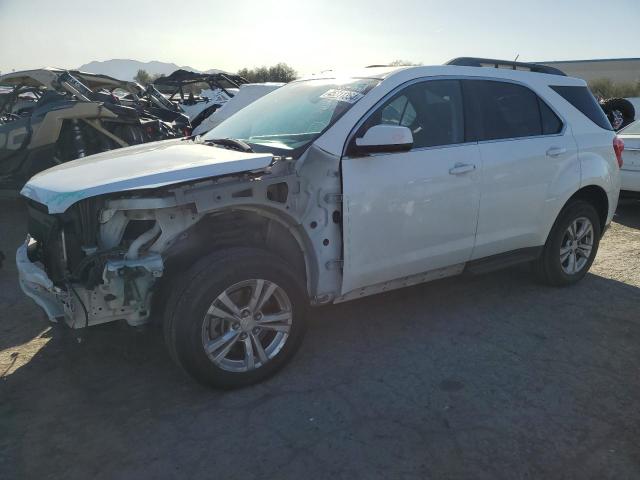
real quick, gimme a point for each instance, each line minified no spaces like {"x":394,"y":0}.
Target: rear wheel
{"x":238,"y":317}
{"x":572,"y":245}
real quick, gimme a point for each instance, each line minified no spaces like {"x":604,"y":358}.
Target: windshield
{"x":291,"y":117}
{"x":631,"y":129}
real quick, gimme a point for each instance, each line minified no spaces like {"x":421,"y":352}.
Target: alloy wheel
{"x":576,"y":246}
{"x":247,"y":325}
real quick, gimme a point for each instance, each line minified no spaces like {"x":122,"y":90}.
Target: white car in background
{"x":630,"y":171}
{"x":248,"y":93}
{"x":199,"y":94}
{"x":207,"y":99}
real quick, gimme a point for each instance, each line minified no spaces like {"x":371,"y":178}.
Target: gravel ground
{"x":482,"y":377}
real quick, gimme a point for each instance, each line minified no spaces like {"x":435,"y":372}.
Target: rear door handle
{"x":556,"y":151}
{"x":460,"y":168}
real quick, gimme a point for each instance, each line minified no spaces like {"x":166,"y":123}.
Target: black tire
{"x":198,"y":287}
{"x":622,"y":105}
{"x":548,"y":267}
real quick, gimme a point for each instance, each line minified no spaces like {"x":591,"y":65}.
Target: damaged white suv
{"x":328,"y":189}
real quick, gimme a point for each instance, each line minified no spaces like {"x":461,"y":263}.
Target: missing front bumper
{"x":110,"y":301}
{"x":37,"y":285}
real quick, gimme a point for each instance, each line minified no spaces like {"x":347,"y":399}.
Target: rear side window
{"x":507,"y":110}
{"x":551,"y":124}
{"x":503,"y":110}
{"x":583,"y":100}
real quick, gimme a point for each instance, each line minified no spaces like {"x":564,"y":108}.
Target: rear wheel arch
{"x":597,"y":197}
{"x":572,"y":244}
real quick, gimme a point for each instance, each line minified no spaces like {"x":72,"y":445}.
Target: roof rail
{"x":490,"y":62}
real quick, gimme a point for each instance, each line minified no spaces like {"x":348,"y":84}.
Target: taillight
{"x":186,"y":131}
{"x":618,"y":147}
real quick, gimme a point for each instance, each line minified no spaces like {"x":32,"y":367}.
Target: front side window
{"x":287,"y":120}
{"x":432,"y":110}
{"x":400,"y":111}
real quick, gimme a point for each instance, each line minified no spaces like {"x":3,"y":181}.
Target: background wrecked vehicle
{"x":199,"y":94}
{"x":50,"y":116}
{"x":147,"y":101}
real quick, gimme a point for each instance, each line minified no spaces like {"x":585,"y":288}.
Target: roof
{"x":374,"y":72}
{"x":382,"y":73}
{"x":509,"y":64}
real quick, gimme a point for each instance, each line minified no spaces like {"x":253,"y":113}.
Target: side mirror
{"x":385,"y":138}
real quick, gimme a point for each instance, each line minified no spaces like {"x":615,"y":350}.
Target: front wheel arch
{"x":235,"y":228}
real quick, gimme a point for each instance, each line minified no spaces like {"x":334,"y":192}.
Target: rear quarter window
{"x":582,"y":99}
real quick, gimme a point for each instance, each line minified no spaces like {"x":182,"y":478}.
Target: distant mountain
{"x":124,"y":69}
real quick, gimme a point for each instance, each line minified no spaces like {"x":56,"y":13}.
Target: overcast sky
{"x":312,"y":35}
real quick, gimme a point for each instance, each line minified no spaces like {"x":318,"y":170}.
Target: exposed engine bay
{"x":111,"y":280}
{"x":106,"y":256}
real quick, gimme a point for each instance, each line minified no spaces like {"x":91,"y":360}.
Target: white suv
{"x":328,"y":189}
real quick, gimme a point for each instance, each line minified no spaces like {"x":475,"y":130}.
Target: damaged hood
{"x":134,"y":168}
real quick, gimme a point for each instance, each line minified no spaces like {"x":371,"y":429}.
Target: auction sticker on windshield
{"x":348,"y":96}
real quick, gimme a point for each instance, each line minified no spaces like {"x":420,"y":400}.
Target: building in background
{"x":618,"y":70}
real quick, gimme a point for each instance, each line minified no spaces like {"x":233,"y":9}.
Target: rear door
{"x":410,"y":212}
{"x":524,"y":146}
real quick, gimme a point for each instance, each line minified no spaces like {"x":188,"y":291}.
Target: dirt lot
{"x":483,"y":377}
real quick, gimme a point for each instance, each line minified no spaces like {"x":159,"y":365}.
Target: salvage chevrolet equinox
{"x":329,"y":189}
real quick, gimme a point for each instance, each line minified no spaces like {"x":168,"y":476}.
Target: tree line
{"x":280,"y":72}
{"x":606,"y":88}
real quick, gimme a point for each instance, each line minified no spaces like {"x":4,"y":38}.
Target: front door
{"x":410,"y":212}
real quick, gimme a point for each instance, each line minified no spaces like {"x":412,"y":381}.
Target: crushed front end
{"x":63,"y":267}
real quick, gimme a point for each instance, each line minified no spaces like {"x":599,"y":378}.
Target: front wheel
{"x":237,"y":317}
{"x":571,"y":247}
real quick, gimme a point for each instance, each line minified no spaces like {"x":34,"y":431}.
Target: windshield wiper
{"x":231,"y":143}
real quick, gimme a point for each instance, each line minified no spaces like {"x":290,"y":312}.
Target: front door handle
{"x":460,"y":168}
{"x":556,"y":151}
